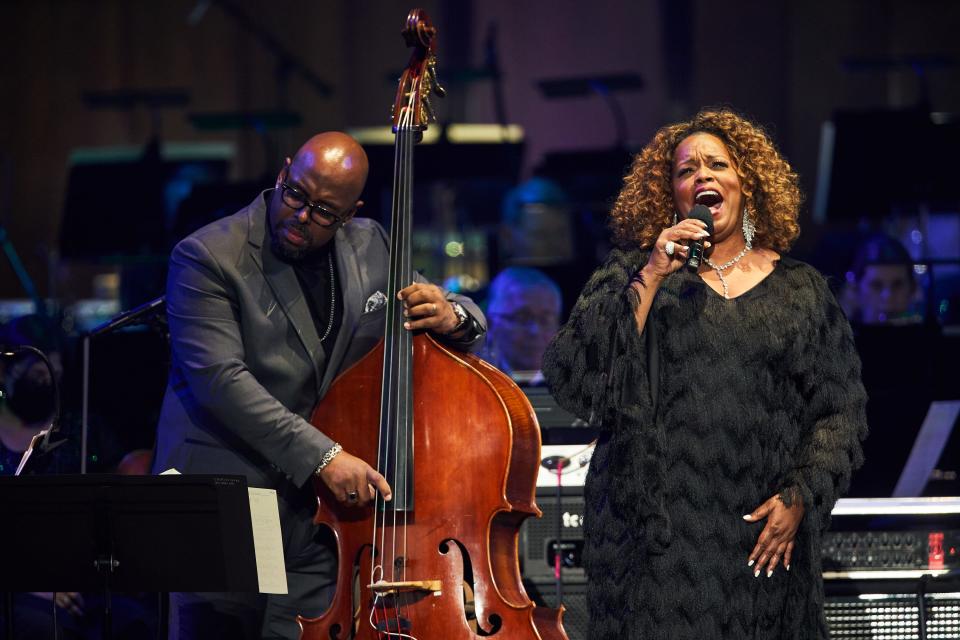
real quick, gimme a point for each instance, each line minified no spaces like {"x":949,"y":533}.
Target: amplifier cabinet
{"x":916,"y":549}
{"x":892,"y":616}
{"x":538,"y":536}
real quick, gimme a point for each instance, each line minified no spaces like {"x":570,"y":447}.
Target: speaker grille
{"x":892,"y":616}
{"x":538,"y":537}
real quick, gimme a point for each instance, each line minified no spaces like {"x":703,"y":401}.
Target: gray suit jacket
{"x":246,"y":354}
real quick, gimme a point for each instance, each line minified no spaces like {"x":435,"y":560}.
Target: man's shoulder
{"x":362,"y":233}
{"x":362,"y":226}
{"x":224,"y":236}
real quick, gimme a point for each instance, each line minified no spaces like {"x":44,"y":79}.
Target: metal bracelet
{"x":330,"y":454}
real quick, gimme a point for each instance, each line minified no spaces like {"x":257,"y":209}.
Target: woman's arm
{"x":834,"y":412}
{"x":580,"y":359}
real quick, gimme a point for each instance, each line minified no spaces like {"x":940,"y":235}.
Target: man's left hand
{"x":776,"y":540}
{"x":426,"y":308}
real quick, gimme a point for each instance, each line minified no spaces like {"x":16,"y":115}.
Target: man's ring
{"x":669,"y":247}
{"x":434,"y":312}
{"x":352,"y":496}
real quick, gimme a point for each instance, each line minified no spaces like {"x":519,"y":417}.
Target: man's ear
{"x":284,"y":168}
{"x":356,"y":207}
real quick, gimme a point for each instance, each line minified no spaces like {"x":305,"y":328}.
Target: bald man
{"x":266,"y":307}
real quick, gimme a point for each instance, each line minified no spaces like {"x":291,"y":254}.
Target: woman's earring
{"x":749,"y":229}
{"x":674,"y":218}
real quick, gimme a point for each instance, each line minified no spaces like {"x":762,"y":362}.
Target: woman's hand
{"x":661,"y":263}
{"x":669,"y":254}
{"x":776,"y":540}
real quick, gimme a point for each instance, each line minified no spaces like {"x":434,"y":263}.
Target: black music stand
{"x":606,"y":86}
{"x":126,"y":533}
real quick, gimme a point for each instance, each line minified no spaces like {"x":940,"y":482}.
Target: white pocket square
{"x":374,"y":302}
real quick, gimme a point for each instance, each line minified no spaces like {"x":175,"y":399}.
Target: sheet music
{"x":265,"y":516}
{"x":267,"y":542}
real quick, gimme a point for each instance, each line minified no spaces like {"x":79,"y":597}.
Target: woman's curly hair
{"x":645,"y":205}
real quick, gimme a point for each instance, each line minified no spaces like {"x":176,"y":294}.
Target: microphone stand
{"x":137,"y":315}
{"x":556,"y":464}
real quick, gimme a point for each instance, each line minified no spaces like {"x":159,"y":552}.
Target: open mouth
{"x":708,"y":198}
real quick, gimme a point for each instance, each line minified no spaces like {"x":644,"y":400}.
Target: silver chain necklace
{"x":726,"y":265}
{"x":333,"y":297}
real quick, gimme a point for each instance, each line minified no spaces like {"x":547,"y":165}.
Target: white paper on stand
{"x":267,"y":543}
{"x":265,"y":517}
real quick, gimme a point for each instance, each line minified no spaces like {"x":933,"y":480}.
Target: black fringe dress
{"x":757,"y":395}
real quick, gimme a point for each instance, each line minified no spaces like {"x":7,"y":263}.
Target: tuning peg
{"x":429,"y":115}
{"x":434,"y":81}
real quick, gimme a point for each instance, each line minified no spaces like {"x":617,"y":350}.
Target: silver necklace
{"x":333,"y":297}
{"x":726,"y":265}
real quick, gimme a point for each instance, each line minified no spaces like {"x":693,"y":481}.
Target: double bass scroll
{"x":456,"y":439}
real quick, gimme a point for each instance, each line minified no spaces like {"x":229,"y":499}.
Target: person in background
{"x":523,"y":314}
{"x":28,"y":408}
{"x":28,"y":404}
{"x":537,"y":225}
{"x":881,"y":287}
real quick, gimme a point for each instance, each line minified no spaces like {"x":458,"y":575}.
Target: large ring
{"x":669,"y":247}
{"x":352,"y":496}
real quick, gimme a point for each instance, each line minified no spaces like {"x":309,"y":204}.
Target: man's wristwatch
{"x":462,"y":316}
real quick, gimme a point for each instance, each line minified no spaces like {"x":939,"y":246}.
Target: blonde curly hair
{"x":771,"y":192}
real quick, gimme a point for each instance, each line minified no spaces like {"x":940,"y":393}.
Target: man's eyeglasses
{"x":296,"y":200}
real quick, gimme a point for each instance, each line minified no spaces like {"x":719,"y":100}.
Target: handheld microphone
{"x":702,"y":213}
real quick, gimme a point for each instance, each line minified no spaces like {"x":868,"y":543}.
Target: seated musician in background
{"x":523,"y":313}
{"x":266,"y":307}
{"x":28,"y":408}
{"x":881,"y":287}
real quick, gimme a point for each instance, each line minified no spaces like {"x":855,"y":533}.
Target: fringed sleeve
{"x":834,"y":409}
{"x":597,"y":368}
{"x":593,"y":365}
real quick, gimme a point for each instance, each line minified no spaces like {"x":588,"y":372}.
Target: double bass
{"x":456,"y":439}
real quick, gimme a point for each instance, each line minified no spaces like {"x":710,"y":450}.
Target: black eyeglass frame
{"x":317,"y":212}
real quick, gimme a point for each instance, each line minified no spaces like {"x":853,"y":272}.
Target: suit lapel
{"x":283,"y":281}
{"x":351,"y":286}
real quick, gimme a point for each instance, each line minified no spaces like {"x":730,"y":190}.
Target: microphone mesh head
{"x":701,"y":212}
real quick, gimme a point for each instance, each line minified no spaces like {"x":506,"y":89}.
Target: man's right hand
{"x":353,"y":481}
